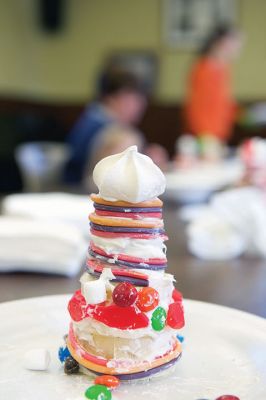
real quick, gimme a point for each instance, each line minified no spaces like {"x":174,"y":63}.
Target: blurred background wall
{"x":46,"y":78}
{"x":61,"y":67}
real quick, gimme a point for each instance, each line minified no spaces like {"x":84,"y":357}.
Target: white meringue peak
{"x":129,"y":176}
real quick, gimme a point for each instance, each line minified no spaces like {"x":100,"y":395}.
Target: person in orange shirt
{"x":210,"y":109}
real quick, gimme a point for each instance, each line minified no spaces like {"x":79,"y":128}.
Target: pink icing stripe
{"x":144,"y":236}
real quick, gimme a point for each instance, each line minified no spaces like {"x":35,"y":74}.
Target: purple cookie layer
{"x":127,"y":210}
{"x":149,"y":372}
{"x":143,"y":374}
{"x":114,"y":261}
{"x":121,"y":278}
{"x":120,"y":229}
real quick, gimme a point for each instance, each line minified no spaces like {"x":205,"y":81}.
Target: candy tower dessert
{"x":125,"y":318}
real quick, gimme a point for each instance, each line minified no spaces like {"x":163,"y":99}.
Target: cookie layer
{"x":125,"y":210}
{"x":95,"y":265}
{"x":150,"y":203}
{"x":136,"y":278}
{"x":119,"y":278}
{"x":133,"y":235}
{"x":124,"y":222}
{"x":121,"y":263}
{"x":126,"y":229}
{"x":145,"y":374}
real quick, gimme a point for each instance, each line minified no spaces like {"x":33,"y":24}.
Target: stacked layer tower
{"x":126,"y":317}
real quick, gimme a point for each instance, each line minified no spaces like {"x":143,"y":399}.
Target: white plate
{"x":224,"y":353}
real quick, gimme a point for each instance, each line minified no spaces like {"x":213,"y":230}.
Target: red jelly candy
{"x":176,"y":295}
{"x":125,"y":294}
{"x":175,"y":316}
{"x":120,"y":317}
{"x":148,"y":299}
{"x":228,"y":397}
{"x":76,"y":306}
{"x":110,"y":381}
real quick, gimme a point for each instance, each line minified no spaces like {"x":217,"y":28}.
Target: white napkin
{"x":245,"y":210}
{"x":212,"y":238}
{"x":234,"y":222}
{"x":32,"y":245}
{"x":61,"y":207}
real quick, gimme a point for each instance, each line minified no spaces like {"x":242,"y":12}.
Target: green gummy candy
{"x":158,"y":319}
{"x":98,"y":392}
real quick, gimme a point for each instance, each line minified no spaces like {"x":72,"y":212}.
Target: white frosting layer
{"x":118,"y":348}
{"x":152,"y":248}
{"x":129,"y":176}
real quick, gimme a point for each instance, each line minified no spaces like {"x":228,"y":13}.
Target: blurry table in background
{"x":239,"y":283}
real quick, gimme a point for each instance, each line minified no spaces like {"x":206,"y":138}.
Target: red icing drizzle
{"x":110,"y":315}
{"x":119,"y":317}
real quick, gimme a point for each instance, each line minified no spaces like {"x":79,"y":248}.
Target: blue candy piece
{"x":180,"y":338}
{"x":63,"y":353}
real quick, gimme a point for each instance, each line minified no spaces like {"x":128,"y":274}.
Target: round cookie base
{"x":88,"y":365}
{"x":153,"y":373}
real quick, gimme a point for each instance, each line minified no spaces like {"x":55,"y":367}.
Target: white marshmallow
{"x":37,"y":359}
{"x":94,"y":291}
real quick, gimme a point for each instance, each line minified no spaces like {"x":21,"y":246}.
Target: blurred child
{"x":210,"y":109}
{"x":121,"y":100}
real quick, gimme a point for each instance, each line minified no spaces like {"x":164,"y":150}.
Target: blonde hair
{"x":111,"y":140}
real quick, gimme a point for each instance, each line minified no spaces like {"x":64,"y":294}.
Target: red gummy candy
{"x":228,"y":397}
{"x":175,"y":315}
{"x":124,"y":294}
{"x":76,"y":306}
{"x":119,"y":317}
{"x":176,"y":295}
